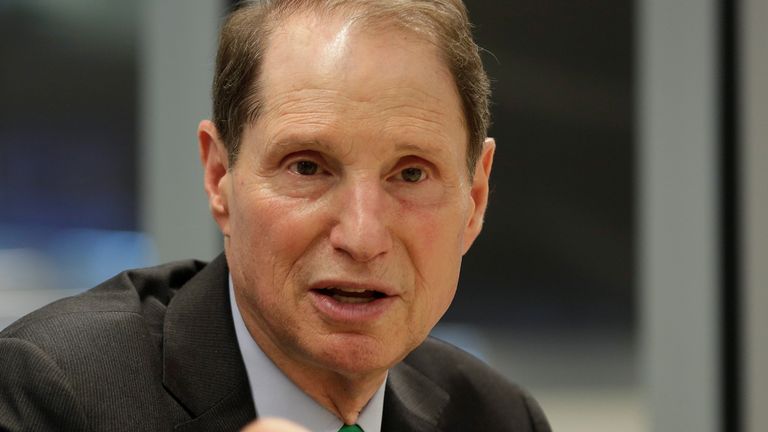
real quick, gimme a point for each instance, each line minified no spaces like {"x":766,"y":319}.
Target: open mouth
{"x":350,"y":295}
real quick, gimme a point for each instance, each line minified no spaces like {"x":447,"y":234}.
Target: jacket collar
{"x":412,"y":401}
{"x":202,"y":365}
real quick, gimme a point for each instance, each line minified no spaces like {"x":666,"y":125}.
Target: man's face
{"x":350,"y":205}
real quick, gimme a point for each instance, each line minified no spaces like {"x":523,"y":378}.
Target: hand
{"x":274,"y":425}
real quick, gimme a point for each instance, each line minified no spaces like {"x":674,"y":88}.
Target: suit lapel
{"x":412,"y":402}
{"x":202,"y":365}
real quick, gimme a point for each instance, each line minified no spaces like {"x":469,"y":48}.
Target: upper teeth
{"x":354,"y":290}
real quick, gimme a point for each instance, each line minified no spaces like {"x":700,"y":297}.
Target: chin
{"x":353,"y":354}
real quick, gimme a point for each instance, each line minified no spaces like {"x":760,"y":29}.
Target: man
{"x":347,"y":167}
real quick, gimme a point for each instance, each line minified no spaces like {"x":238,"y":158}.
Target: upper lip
{"x":356,"y":285}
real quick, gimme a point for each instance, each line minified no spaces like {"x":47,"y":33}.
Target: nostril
{"x":361,"y":245}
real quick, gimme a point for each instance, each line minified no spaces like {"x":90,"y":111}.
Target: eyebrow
{"x":292,"y":142}
{"x":296,"y":142}
{"x":422,"y":147}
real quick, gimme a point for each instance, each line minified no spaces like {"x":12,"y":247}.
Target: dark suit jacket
{"x":155,"y":350}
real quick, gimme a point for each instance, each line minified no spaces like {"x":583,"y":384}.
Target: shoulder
{"x":136,"y":292}
{"x":78,"y":360}
{"x":474,"y":387}
{"x":118,"y":319}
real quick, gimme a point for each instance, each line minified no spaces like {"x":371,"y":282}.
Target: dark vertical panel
{"x":730,"y":206}
{"x":558,"y":245}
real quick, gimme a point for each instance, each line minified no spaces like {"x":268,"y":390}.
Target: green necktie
{"x":351,"y":428}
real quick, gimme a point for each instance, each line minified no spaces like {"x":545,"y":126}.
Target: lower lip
{"x":350,"y":312}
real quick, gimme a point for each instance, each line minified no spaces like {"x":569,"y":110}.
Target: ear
{"x":479,"y":193}
{"x":213,"y":155}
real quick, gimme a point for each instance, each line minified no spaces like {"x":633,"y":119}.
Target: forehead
{"x":308,"y":55}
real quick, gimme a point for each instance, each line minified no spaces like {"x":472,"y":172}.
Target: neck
{"x":343,"y":394}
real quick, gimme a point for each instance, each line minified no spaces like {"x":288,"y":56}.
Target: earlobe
{"x":479,"y":193}
{"x":213,"y":156}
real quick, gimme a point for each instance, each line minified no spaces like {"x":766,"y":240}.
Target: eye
{"x":305,"y":167}
{"x":412,"y":175}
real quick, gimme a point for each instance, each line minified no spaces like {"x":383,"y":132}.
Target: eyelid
{"x":304,"y":156}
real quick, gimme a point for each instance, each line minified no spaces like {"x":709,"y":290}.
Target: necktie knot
{"x":351,"y":428}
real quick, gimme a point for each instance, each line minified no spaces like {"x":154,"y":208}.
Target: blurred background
{"x":617,"y":276}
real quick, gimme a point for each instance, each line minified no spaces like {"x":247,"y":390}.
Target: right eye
{"x":305,"y":167}
{"x":412,"y":175}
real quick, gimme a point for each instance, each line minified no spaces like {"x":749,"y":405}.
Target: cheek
{"x":269,"y":236}
{"x":435,"y":247}
{"x":436,"y":232}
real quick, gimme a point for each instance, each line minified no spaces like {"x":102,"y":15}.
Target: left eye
{"x":305,"y":167}
{"x":412,"y":175}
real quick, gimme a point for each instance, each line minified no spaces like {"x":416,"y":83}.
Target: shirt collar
{"x":275,"y":395}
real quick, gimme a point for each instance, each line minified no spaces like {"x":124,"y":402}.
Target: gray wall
{"x":755,"y":180}
{"x":678,"y":207}
{"x":177,"y":57}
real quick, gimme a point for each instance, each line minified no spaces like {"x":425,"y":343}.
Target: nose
{"x":361,"y":229}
